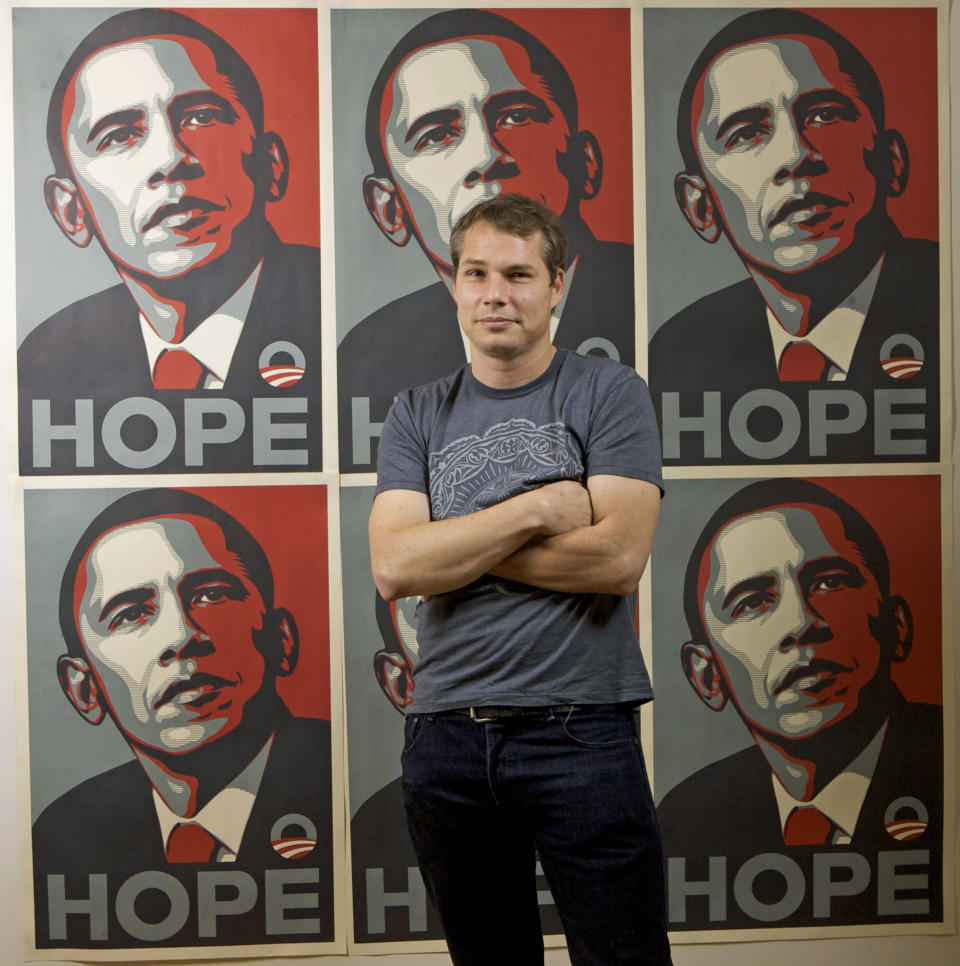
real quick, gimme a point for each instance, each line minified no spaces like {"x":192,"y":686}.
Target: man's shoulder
{"x":80,"y":327}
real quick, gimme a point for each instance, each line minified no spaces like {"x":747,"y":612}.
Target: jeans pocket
{"x":411,"y":731}
{"x":599,"y":729}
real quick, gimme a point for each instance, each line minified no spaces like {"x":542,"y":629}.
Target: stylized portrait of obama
{"x":468,"y":105}
{"x":162,"y":158}
{"x":796,"y":626}
{"x":789,"y":157}
{"x":173,"y":637}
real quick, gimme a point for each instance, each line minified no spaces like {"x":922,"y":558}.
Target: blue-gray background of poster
{"x":374,"y":726}
{"x":64,"y":750}
{"x":680,"y":267}
{"x":51,"y":272}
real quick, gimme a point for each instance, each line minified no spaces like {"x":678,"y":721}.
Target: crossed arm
{"x":562,"y":536}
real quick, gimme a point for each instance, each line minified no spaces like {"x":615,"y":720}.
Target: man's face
{"x":169,"y":621}
{"x":787,"y":605}
{"x":161,"y":150}
{"x":464,"y":121}
{"x":783,"y":138}
{"x":503,"y":292}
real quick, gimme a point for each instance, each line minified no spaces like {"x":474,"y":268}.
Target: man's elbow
{"x":626,"y":573}
{"x":389,"y":581}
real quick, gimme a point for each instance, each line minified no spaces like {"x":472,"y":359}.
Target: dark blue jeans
{"x":483,"y":800}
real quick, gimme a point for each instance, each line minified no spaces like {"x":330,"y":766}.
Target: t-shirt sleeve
{"x":623,"y":439}
{"x":402,"y":451}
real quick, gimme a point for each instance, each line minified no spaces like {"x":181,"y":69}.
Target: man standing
{"x":520,"y":496}
{"x":468,"y":105}
{"x":172,"y":633}
{"x":793,"y":624}
{"x":156,"y":132}
{"x":786,"y":152}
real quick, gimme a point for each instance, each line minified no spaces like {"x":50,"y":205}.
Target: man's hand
{"x":564,"y":506}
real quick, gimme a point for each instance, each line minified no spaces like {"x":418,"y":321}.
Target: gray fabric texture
{"x":468,"y":446}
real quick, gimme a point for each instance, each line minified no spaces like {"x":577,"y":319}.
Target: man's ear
{"x":891,"y":163}
{"x":394,"y":677}
{"x":385,"y":205}
{"x":277,"y":164}
{"x":288,"y":641}
{"x":702,"y":671}
{"x":66,"y":205}
{"x":79,"y":684}
{"x":582,"y":164}
{"x":893,"y":628}
{"x":697,"y":204}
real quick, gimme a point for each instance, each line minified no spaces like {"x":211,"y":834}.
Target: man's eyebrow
{"x":443,"y":115}
{"x":211,"y":575}
{"x":827,"y":95}
{"x":818,"y":566}
{"x":763,"y":582}
{"x":184,"y":102}
{"x":749,"y":114}
{"x":129,"y":116}
{"x":138,"y":595}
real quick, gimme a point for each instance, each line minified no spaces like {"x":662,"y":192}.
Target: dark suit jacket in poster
{"x":108,"y":825}
{"x":722,"y":343}
{"x":729,"y":809}
{"x":379,"y":840}
{"x":93,"y":349}
{"x":416,"y":339}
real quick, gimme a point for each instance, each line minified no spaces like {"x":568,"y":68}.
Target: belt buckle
{"x":475,"y":717}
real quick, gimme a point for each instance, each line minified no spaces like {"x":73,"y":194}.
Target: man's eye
{"x":124,"y":137}
{"x":518,"y":116}
{"x":747,"y":134}
{"x":757,"y":602}
{"x":826,"y":583}
{"x":135,"y":614}
{"x":214,"y":594}
{"x":825,"y":114}
{"x":442,"y":135}
{"x":201,"y":117}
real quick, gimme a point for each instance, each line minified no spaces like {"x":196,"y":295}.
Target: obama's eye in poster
{"x":433,"y":112}
{"x":167,"y":240}
{"x":799,"y":739}
{"x":180,"y":749}
{"x":793,"y":263}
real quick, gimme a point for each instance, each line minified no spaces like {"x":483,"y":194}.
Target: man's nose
{"x":170,"y":158}
{"x":794,"y":153}
{"x":487,"y":159}
{"x":796,"y":618}
{"x":185,"y":636}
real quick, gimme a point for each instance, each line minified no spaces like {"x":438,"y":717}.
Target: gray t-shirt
{"x":468,"y":446}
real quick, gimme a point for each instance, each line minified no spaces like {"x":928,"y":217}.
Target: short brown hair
{"x":520,"y":216}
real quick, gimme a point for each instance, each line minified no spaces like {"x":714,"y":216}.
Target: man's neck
{"x":175,"y":307}
{"x":505,"y":373}
{"x":806,"y":766}
{"x":800,"y":300}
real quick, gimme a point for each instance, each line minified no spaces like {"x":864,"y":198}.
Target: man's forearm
{"x":418,"y":557}
{"x":583,"y":561}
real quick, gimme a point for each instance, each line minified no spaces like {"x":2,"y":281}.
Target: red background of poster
{"x":901,"y":46}
{"x":604,"y":100}
{"x":290,"y":523}
{"x":281,"y":48}
{"x":905,"y":512}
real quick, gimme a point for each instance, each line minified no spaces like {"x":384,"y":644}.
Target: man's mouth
{"x":196,"y":689}
{"x":181,"y":214}
{"x":496,"y":322}
{"x":812,"y":677}
{"x":812,"y":208}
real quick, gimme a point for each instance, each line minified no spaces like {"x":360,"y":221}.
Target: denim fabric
{"x":483,"y":800}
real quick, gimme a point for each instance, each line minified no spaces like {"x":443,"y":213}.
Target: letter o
{"x":161,"y":418}
{"x":174,"y":920}
{"x":789,"y":417}
{"x":769,"y":911}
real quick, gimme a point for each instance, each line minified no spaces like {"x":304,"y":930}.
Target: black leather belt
{"x":483,"y":714}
